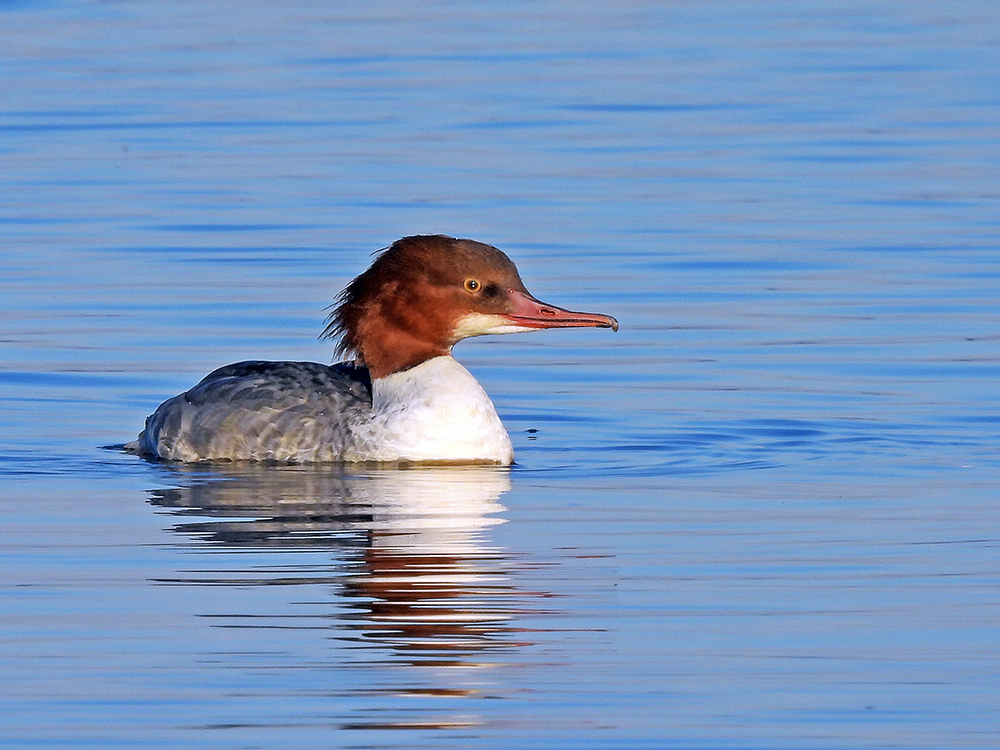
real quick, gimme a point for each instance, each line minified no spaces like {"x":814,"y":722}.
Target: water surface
{"x":762,"y":515}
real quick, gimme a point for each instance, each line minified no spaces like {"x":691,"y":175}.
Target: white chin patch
{"x":480,"y":324}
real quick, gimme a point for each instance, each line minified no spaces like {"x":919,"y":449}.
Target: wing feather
{"x":281,"y":411}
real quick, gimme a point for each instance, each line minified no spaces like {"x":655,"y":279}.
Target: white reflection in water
{"x":413,"y":568}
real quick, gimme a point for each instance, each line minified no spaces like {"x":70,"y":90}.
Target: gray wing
{"x":258,"y":411}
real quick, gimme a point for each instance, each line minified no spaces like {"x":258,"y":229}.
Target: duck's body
{"x":404,"y":398}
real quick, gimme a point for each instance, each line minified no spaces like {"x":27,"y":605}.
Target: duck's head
{"x":424,"y":294}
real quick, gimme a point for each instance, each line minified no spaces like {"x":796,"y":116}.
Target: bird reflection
{"x":412,"y":556}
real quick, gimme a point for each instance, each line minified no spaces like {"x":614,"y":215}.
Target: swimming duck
{"x":400,"y":398}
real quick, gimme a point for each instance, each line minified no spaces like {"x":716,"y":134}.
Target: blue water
{"x":765,"y":514}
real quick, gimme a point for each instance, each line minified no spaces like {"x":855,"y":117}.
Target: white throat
{"x":435,"y":411}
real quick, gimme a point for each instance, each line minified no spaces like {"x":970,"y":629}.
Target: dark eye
{"x":472,"y":285}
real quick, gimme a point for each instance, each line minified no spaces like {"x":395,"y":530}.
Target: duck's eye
{"x":472,"y":285}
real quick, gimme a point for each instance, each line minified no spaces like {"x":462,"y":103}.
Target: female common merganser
{"x":402,"y":399}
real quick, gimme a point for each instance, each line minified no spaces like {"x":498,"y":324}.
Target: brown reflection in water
{"x":411,"y":549}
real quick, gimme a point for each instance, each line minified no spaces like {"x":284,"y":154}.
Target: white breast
{"x":435,"y":411}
